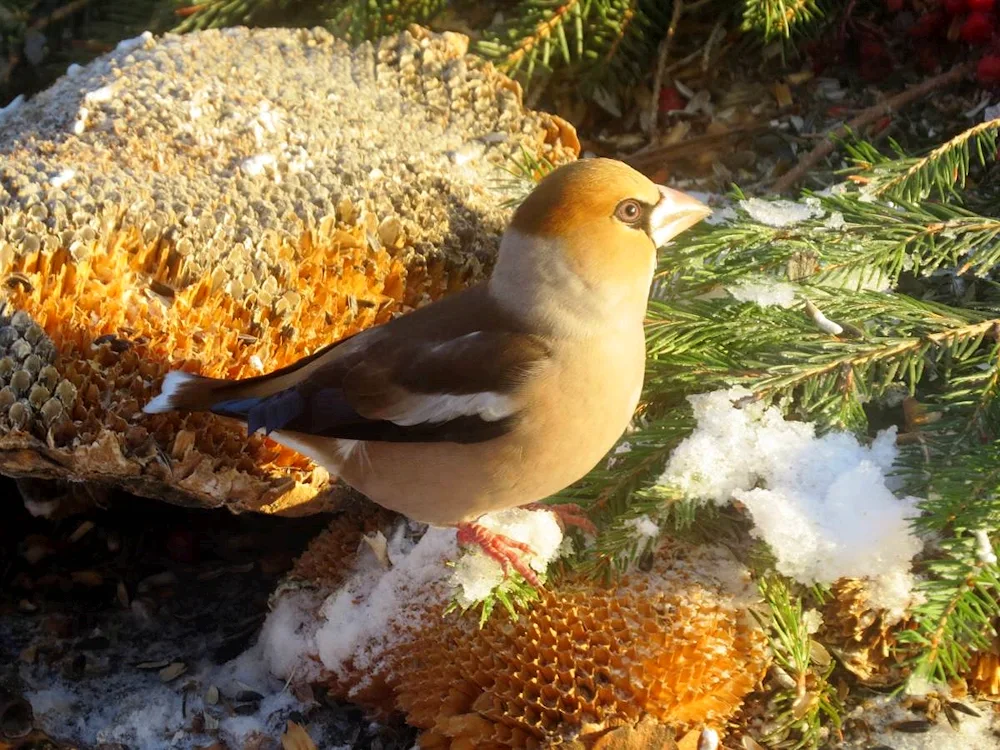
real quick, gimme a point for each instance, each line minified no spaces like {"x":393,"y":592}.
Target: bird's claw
{"x":503,"y":549}
{"x":567,"y":514}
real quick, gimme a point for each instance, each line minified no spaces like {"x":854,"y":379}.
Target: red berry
{"x":983,"y":6}
{"x":954,"y":7}
{"x":671,"y":99}
{"x":977,"y":29}
{"x":894,"y":6}
{"x":988,"y":69}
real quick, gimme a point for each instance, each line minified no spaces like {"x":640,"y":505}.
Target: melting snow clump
{"x":361,"y":617}
{"x":835,"y":221}
{"x":883,"y":713}
{"x":12,"y":106}
{"x":476,"y":575}
{"x":644,"y":527}
{"x":385,"y":596}
{"x":135,"y":708}
{"x":821,"y":503}
{"x":778,"y":213}
{"x":644,"y":530}
{"x":813,"y":620}
{"x":764,"y":291}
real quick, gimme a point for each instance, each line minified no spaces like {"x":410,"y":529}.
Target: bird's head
{"x":591,"y":228}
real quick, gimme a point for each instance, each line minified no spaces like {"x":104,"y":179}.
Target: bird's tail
{"x":182,"y":391}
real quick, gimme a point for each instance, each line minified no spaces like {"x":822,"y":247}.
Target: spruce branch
{"x":600,"y":41}
{"x":698,"y":345}
{"x":358,"y":20}
{"x":623,"y":543}
{"x":537,"y":31}
{"x":871,"y":244}
{"x":960,"y":586}
{"x":778,"y":19}
{"x":941,"y":172}
{"x":606,"y":489}
{"x":808,"y":702}
{"x":957,"y":615}
{"x":217,"y":14}
{"x":519,"y":176}
{"x":969,"y":409}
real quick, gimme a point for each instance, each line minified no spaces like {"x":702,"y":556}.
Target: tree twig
{"x":60,"y":14}
{"x":867,"y":116}
{"x":661,"y":63}
{"x":652,"y":157}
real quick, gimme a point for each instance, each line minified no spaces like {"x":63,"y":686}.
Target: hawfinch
{"x":494,"y":397}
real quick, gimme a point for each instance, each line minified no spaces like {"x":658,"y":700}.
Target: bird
{"x":490,"y":398}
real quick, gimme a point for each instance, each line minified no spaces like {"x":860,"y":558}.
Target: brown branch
{"x":651,"y":157}
{"x":866,"y":117}
{"x":60,"y":13}
{"x":661,"y":63}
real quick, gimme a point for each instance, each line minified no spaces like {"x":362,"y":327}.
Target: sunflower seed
{"x":172,"y":671}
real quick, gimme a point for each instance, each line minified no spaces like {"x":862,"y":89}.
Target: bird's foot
{"x":503,"y":549}
{"x":567,"y":514}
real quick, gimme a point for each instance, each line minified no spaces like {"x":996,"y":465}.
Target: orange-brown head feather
{"x":581,"y":193}
{"x":580,"y":208}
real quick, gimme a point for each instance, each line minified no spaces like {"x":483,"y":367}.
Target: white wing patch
{"x":331,"y":454}
{"x":420,"y":408}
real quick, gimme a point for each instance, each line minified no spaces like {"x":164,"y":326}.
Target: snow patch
{"x":644,"y":530}
{"x":821,"y":503}
{"x":97,"y":96}
{"x":984,"y":548}
{"x":256,"y":165}
{"x":779,"y":213}
{"x":644,"y":526}
{"x":764,"y":291}
{"x":134,"y":708}
{"x":377,"y":606}
{"x":360,"y":620}
{"x":63,"y":177}
{"x":128,"y":45}
{"x":289,"y":636}
{"x":971,"y":733}
{"x":12,"y":106}
{"x":835,"y":221}
{"x":80,"y":123}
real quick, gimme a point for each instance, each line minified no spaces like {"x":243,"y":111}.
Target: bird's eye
{"x":629,"y":211}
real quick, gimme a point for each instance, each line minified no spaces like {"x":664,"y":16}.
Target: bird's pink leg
{"x":503,"y":549}
{"x":567,"y":514}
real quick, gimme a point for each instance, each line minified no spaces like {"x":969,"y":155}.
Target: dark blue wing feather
{"x":292,"y":409}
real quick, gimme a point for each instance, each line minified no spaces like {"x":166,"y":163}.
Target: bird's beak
{"x":675,"y":212}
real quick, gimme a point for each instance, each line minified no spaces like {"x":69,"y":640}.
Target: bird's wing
{"x":463,"y":389}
